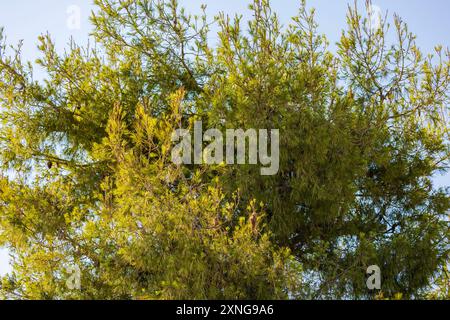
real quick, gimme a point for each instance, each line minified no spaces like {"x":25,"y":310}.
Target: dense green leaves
{"x":87,"y":179}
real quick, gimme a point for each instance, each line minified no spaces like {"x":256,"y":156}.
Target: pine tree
{"x":87,"y":179}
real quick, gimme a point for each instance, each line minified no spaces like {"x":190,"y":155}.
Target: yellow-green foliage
{"x":86,"y":177}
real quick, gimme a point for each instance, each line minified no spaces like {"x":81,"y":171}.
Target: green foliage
{"x":87,"y":179}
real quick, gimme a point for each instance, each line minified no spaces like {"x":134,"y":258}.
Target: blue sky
{"x":26,"y":19}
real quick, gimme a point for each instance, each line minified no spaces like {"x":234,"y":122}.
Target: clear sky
{"x":27,"y":19}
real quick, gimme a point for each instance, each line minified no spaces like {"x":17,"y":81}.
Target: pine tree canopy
{"x":86,"y":177}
